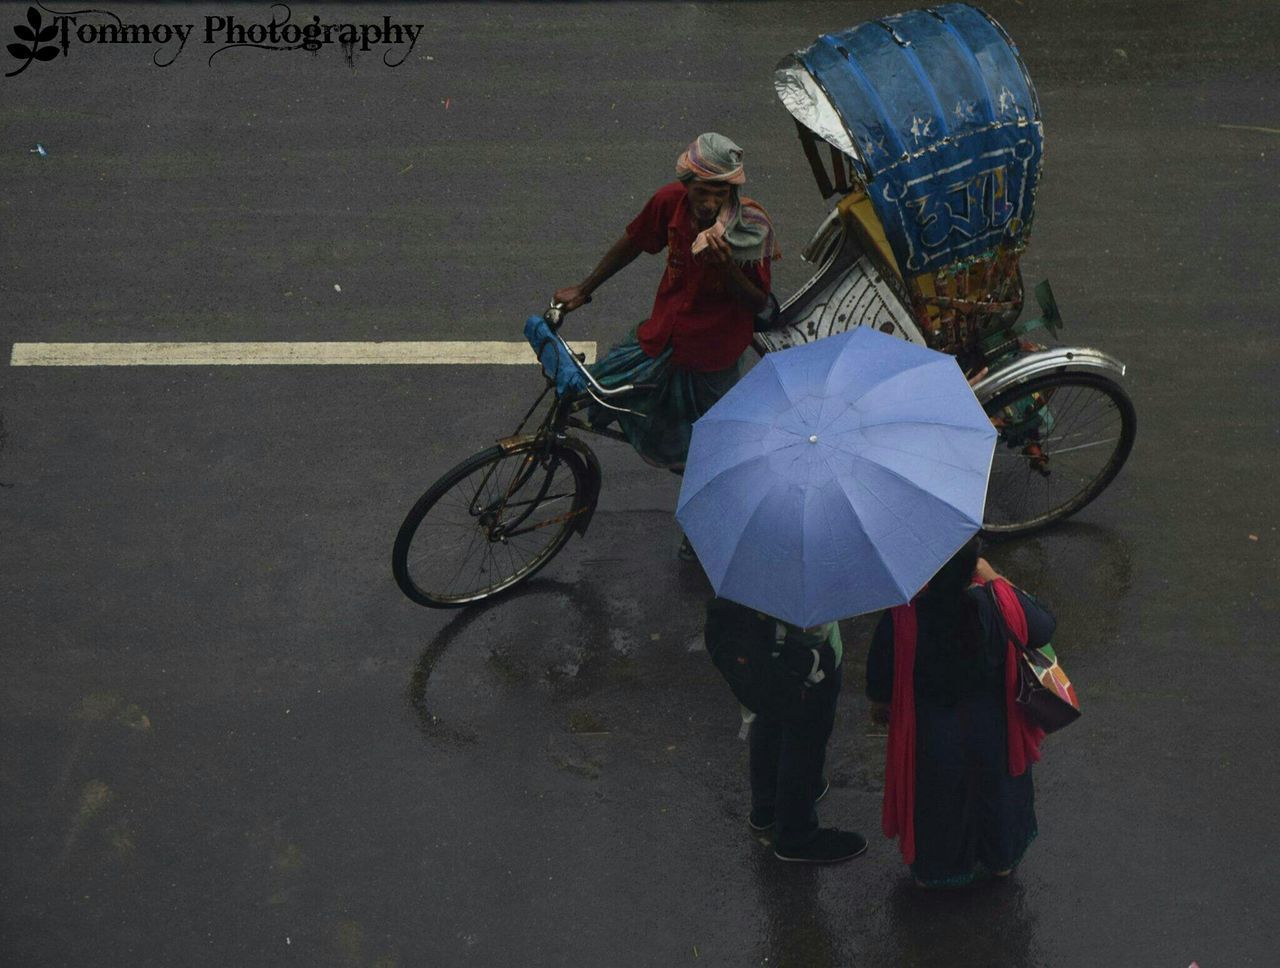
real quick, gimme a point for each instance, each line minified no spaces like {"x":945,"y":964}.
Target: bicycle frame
{"x":551,"y":441}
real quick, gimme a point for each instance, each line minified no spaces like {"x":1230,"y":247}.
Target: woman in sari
{"x":958,"y":788}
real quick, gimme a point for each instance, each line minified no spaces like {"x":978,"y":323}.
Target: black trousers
{"x":787,"y":759}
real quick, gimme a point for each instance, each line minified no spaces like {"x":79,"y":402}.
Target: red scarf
{"x":897,"y":814}
{"x":897,"y":817}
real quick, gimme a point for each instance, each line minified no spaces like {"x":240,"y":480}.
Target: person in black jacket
{"x":787,"y":680}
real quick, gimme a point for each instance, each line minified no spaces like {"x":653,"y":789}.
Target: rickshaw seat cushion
{"x":554,"y":356}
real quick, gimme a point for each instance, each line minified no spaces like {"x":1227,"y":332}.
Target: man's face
{"x":706,"y":199}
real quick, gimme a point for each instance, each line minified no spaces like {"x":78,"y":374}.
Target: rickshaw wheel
{"x":1063,"y":438}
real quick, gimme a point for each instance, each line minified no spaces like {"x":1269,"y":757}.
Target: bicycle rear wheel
{"x":1063,"y":439}
{"x":489,"y":524}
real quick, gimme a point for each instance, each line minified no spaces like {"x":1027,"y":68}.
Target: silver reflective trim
{"x":820,"y":246}
{"x":809,"y":104}
{"x":845,"y":293}
{"x":1046,"y":361}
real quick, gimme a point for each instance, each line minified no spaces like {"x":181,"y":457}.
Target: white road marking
{"x":1251,"y":127}
{"x":279,"y":353}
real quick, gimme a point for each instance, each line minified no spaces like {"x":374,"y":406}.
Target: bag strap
{"x":1006,"y":632}
{"x":1034,"y":657}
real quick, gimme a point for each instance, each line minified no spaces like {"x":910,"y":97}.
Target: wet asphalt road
{"x":228,"y":740}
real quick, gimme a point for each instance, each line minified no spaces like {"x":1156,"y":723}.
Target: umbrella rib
{"x":884,"y":565}
{"x":826,"y":384}
{"x":941,"y":420}
{"x":777,"y":377}
{"x":739,"y":544}
{"x":930,"y":457}
{"x":909,"y":482}
{"x":731,"y":469}
{"x":804,"y":509}
{"x":929,"y":423}
{"x":875,"y":547}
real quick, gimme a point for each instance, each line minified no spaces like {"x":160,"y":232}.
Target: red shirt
{"x":695,"y":311}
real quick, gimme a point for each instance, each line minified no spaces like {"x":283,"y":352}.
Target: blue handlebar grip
{"x":554,"y":356}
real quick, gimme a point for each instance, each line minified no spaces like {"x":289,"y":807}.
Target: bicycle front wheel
{"x":489,"y":524}
{"x":1063,"y":439}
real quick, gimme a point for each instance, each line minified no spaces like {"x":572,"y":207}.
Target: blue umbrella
{"x":836,"y":477}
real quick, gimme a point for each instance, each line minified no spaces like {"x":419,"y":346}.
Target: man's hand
{"x":718,"y":252}
{"x":880,"y":713}
{"x":572,"y":297}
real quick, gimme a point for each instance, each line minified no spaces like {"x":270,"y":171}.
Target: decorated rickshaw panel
{"x":947,"y":123}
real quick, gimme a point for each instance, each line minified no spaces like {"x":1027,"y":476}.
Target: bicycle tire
{"x":1045,"y":419}
{"x":456,"y":565}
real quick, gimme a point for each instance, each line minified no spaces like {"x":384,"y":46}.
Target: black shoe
{"x":830,"y":846}
{"x":686,"y":552}
{"x":760,"y":821}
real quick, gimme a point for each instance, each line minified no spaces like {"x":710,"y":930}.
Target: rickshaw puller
{"x":719,"y":251}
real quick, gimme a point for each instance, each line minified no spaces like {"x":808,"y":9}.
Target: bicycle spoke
{"x":546,"y":500}
{"x":1058,"y":447}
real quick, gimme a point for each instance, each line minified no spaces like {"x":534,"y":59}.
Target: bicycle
{"x":499,"y":516}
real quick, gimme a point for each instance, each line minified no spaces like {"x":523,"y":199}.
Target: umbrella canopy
{"x":836,"y":477}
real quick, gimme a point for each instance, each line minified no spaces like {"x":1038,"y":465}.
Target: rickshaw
{"x":933,"y":146}
{"x":925,"y":129}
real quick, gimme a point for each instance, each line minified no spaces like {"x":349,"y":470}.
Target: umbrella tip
{"x":813,"y":438}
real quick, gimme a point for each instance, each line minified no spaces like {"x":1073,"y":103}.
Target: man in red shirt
{"x":719,"y":248}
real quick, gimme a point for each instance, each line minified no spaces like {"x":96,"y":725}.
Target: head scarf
{"x":711,"y":157}
{"x":742,"y":221}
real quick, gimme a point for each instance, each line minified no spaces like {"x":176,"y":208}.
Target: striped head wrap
{"x":711,"y":157}
{"x":742,"y":221}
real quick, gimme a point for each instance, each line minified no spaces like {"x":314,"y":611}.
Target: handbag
{"x":1045,"y":694}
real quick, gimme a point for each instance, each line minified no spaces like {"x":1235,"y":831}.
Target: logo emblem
{"x":33,"y":35}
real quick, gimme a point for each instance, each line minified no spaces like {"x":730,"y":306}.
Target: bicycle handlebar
{"x":554,"y":317}
{"x":555,"y":312}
